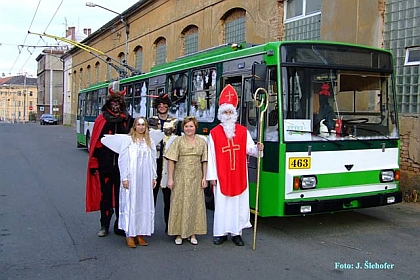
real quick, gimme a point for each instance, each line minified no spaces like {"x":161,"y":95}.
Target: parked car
{"x":47,"y":119}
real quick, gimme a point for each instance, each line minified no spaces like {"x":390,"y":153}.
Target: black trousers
{"x":165,"y":191}
{"x":110,"y":183}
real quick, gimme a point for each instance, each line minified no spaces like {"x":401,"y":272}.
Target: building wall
{"x":50,"y":80}
{"x":356,"y":21}
{"x":410,"y":152}
{"x":69,"y":100}
{"x":15,"y":102}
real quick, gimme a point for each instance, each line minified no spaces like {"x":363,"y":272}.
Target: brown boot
{"x":130,"y":242}
{"x":141,"y":241}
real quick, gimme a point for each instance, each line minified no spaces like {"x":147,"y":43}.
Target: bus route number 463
{"x":299,"y":163}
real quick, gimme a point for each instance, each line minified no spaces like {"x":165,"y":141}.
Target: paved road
{"x":46,"y":234}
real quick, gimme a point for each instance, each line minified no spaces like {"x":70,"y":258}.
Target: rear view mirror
{"x":259,"y":77}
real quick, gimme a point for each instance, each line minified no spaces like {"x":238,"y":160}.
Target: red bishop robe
{"x":231,"y":160}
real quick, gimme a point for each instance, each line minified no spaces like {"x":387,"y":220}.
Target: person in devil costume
{"x":103,"y":175}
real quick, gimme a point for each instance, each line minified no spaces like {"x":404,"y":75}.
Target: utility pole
{"x":51,"y":84}
{"x":127,"y":32}
{"x":24,"y":98}
{"x":14,"y":106}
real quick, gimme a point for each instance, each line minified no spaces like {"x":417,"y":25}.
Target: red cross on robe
{"x":231,"y":162}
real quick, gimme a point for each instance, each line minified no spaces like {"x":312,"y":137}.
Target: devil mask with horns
{"x":162,"y":99}
{"x":115,"y":103}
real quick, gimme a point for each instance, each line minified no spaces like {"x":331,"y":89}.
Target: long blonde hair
{"x":135,"y":135}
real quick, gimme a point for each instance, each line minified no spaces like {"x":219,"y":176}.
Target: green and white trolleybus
{"x":331,"y":128}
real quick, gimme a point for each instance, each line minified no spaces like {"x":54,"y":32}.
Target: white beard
{"x":228,"y":123}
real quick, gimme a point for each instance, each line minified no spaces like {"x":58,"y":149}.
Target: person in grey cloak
{"x":137,"y":163}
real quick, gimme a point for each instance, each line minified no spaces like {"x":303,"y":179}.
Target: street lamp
{"x":127,"y":28}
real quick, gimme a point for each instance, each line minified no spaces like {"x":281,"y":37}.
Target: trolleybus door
{"x":81,"y":113}
{"x":247,"y":115}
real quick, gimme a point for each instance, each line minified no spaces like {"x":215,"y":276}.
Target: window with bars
{"x":139,"y":59}
{"x":98,"y":72}
{"x":235,"y":30}
{"x":108,"y":69}
{"x":191,"y":43}
{"x":75,"y":89}
{"x":89,"y":75}
{"x":81,"y":78}
{"x":161,"y":52}
{"x":121,"y":59}
{"x":402,"y":23}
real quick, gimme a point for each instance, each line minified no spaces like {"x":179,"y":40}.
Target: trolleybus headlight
{"x":308,"y":182}
{"x":387,"y":176}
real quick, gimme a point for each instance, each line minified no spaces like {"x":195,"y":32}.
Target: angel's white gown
{"x":137,"y":163}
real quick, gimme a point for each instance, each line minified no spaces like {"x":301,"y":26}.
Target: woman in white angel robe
{"x":137,"y":163}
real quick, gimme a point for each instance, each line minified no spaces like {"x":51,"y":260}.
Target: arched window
{"x":138,"y":53}
{"x":189,"y":40}
{"x":89,"y":75}
{"x":108,"y":69}
{"x":234,"y":23}
{"x":98,"y":72}
{"x":121,"y":57}
{"x":81,"y":85}
{"x":74,"y":81}
{"x":160,"y":47}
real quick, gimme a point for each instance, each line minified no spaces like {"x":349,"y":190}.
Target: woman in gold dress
{"x":187,"y":165}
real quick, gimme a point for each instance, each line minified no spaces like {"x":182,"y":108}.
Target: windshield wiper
{"x":322,"y":137}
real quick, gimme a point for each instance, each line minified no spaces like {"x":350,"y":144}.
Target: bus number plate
{"x":299,"y":163}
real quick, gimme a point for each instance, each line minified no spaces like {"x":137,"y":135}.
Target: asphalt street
{"x":45,"y":232}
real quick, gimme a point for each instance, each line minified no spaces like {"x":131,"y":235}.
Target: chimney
{"x":87,"y":31}
{"x":71,"y":32}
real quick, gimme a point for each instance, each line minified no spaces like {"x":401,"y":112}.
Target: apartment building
{"x":18,"y":99}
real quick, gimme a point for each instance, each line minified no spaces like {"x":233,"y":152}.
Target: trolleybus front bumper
{"x":335,"y":205}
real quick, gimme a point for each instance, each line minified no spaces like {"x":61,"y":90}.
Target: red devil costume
{"x":103,"y":176}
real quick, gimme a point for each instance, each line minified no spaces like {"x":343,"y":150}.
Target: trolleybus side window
{"x":101,"y":99}
{"x":156,"y":91}
{"x":129,"y":98}
{"x":140,"y":99}
{"x":91,"y":105}
{"x":203,"y":94}
{"x":178,"y":92}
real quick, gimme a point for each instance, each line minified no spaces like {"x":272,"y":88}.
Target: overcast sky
{"x":18,"y":49}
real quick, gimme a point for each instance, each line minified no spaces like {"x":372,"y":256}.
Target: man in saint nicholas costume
{"x":228,"y":146}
